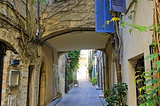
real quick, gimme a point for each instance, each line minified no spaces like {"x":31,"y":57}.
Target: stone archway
{"x":42,"y":85}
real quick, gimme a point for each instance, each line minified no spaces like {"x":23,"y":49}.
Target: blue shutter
{"x":101,"y":16}
{"x":118,"y":5}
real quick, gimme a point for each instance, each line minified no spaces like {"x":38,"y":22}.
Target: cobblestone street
{"x":84,"y":95}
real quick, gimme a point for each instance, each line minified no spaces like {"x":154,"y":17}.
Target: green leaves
{"x":133,"y":26}
{"x":94,"y":80}
{"x":134,"y":1}
{"x":74,"y":58}
{"x":152,"y":56}
{"x":153,"y":44}
{"x":72,"y":65}
{"x":149,"y":91}
{"x":116,"y":95}
{"x":131,"y":14}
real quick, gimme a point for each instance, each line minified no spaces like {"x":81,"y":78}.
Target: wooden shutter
{"x":118,"y":5}
{"x":101,"y":16}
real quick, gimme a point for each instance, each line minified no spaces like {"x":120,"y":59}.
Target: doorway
{"x":42,"y":85}
{"x":30,"y":86}
{"x":2,"y":54}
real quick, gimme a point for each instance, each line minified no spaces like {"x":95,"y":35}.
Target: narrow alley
{"x":84,"y":95}
{"x":111,"y":47}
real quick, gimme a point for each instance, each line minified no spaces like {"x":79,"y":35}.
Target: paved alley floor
{"x":84,"y":95}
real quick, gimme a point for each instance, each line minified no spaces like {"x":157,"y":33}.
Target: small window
{"x":14,"y":78}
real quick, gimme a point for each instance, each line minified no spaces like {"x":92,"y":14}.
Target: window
{"x":14,"y":78}
{"x":139,"y":70}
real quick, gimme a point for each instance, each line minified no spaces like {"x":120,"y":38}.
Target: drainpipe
{"x":104,"y":82}
{"x":66,"y":74}
{"x":2,"y":54}
{"x":39,"y":25}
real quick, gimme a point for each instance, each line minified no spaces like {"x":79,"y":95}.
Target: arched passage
{"x":42,"y":85}
{"x":76,"y":38}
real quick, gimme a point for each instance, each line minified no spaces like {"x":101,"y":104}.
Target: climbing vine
{"x":74,"y":58}
{"x":90,"y":67}
{"x":72,"y":65}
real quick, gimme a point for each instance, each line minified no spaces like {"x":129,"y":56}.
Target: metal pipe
{"x":103,"y":71}
{"x":39,"y":19}
{"x":66,"y":90}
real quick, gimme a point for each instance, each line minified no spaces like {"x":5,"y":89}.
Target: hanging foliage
{"x":72,"y":65}
{"x":74,"y":58}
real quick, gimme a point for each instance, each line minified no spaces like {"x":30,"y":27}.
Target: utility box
{"x":14,"y":77}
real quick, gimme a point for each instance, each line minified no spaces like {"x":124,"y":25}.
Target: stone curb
{"x":54,"y":102}
{"x":100,"y":95}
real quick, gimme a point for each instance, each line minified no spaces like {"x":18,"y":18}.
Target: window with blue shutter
{"x":101,"y":16}
{"x":118,"y":5}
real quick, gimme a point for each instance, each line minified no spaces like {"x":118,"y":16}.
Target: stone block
{"x":4,"y":76}
{"x":4,"y":95}
{"x":3,"y":91}
{"x":4,"y":85}
{"x":25,"y":74}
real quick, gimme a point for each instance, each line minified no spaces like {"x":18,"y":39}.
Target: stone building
{"x":30,"y":63}
{"x":135,"y":47}
{"x":30,"y":48}
{"x":28,"y":66}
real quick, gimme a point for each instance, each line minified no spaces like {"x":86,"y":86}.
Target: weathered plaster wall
{"x":61,"y":74}
{"x":135,"y":44}
{"x":21,"y":45}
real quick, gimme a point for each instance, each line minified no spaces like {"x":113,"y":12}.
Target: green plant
{"x":74,"y":58}
{"x":116,"y":95}
{"x":70,"y":78}
{"x":150,"y":97}
{"x":90,"y":67}
{"x":72,"y":65}
{"x":94,"y":81}
{"x":59,"y":79}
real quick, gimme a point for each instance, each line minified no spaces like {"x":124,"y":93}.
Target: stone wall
{"x":67,"y":15}
{"x":18,"y":27}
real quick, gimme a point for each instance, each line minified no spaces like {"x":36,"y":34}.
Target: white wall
{"x":135,"y":44}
